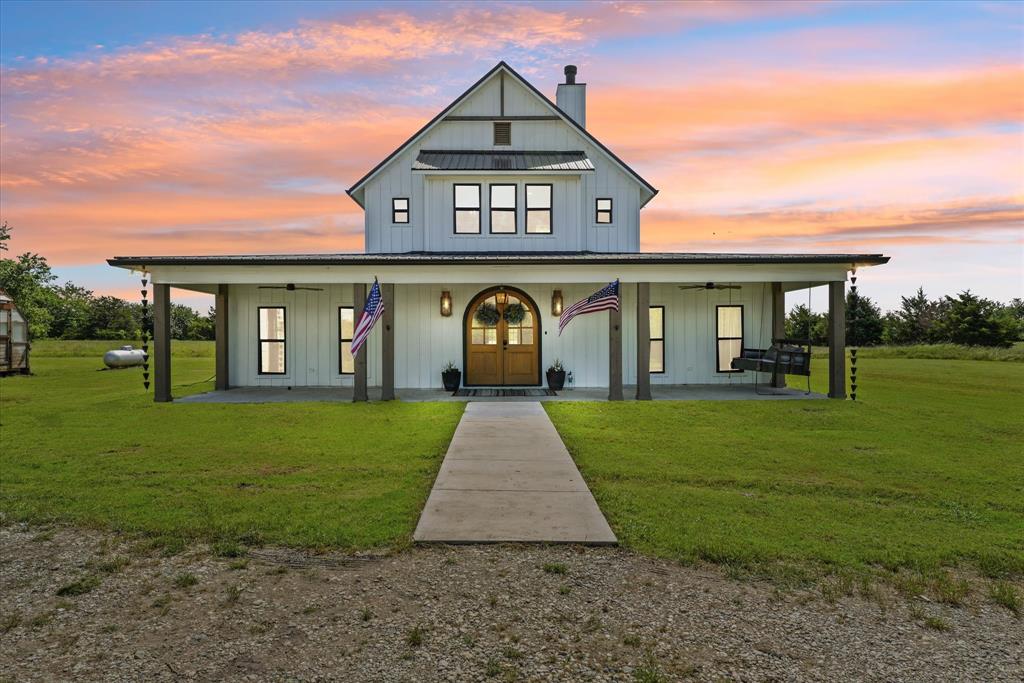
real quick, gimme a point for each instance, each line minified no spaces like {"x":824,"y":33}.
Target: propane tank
{"x":124,"y":357}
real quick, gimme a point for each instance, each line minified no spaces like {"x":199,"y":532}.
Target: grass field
{"x":925,"y":470}
{"x":89,"y":447}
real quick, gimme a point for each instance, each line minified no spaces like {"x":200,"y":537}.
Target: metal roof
{"x":495,"y":258}
{"x":501,"y":160}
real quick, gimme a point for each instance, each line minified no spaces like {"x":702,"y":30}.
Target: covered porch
{"x":611,"y":352}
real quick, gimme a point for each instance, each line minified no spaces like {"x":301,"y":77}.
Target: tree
{"x":27,"y":279}
{"x":863,"y":321}
{"x":5,"y":236}
{"x":914,"y":322}
{"x":975,"y":321}
{"x":70,"y":311}
{"x":802,"y":323}
{"x":112,"y":318}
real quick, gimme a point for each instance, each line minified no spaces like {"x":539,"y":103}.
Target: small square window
{"x":603,"y":215}
{"x":400,"y":210}
{"x":502,"y":133}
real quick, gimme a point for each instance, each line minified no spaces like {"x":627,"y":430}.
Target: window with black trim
{"x":272,"y":351}
{"x":467,"y":209}
{"x":538,"y":209}
{"x":657,"y":318}
{"x":400,"y":210}
{"x":729,"y":336}
{"x":503,"y":209}
{"x":346,"y":325}
{"x":603,"y":211}
{"x":502,"y":133}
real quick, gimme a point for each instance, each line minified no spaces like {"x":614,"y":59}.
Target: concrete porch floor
{"x":660,"y":392}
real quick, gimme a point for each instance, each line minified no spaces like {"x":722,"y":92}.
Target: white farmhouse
{"x":503,"y":198}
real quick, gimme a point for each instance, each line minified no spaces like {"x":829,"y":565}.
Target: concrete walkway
{"x":507,"y":476}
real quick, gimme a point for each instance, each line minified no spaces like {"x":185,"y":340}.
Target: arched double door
{"x":502,"y":340}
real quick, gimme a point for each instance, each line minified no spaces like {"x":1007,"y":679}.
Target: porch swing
{"x":784,"y":356}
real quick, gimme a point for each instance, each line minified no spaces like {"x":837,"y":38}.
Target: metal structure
{"x":14,"y":344}
{"x":124,"y":357}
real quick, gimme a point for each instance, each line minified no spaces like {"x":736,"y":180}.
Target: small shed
{"x":13,"y":337}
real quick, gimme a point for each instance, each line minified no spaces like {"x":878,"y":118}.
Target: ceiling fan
{"x":291,"y":287}
{"x":709,"y":285}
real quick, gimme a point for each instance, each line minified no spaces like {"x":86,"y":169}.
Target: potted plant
{"x":451,"y":377}
{"x":556,"y":376}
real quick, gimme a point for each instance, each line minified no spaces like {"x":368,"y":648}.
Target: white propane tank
{"x":124,"y":357}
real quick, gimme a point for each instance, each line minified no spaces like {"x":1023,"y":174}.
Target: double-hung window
{"x":400,"y":210}
{"x":603,"y":211}
{"x":657,"y":318}
{"x":729,"y":336}
{"x":538,"y":209}
{"x":503,"y":209}
{"x":346,"y":324}
{"x":467,"y":209}
{"x":272,"y":351}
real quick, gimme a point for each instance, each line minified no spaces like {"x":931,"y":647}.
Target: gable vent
{"x":502,"y":133}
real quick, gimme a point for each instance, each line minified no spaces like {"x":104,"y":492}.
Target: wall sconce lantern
{"x":446,"y":303}
{"x":556,"y":302}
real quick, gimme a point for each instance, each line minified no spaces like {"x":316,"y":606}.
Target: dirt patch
{"x":470,"y":613}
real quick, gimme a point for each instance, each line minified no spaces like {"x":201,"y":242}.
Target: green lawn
{"x":90,"y":447}
{"x":925,"y":470}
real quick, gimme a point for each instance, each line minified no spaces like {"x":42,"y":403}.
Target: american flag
{"x":606,"y":299}
{"x":372,"y":312}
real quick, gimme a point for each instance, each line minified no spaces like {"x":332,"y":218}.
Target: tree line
{"x":67,"y":311}
{"x":964,"y":319}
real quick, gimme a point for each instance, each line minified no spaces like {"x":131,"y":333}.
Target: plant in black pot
{"x":556,"y":376}
{"x":451,"y":377}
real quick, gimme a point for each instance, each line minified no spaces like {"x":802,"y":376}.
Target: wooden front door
{"x":501,"y":346}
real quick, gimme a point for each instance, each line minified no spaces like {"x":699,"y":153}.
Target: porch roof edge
{"x":498,"y":258}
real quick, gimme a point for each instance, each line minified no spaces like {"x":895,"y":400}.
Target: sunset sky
{"x":192,"y":128}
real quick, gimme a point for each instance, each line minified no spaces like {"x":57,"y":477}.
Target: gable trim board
{"x":559,"y":114}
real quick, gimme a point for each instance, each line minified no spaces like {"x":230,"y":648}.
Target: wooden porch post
{"x":837,"y":339}
{"x":643,"y":341}
{"x":387,"y":373}
{"x":615,"y":354}
{"x":161,"y":343}
{"x":221,"y":335}
{"x":359,"y":389}
{"x":778,"y":323}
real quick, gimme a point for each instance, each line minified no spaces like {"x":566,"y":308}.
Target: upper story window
{"x":400,"y":210}
{"x":271,"y":340}
{"x":603,"y":214}
{"x":503,"y":209}
{"x":467,"y":209}
{"x":538,"y":209}
{"x":502,"y":133}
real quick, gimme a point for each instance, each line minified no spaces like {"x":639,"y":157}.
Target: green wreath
{"x":487,"y":314}
{"x":514,"y":314}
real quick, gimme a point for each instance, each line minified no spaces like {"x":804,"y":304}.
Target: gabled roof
{"x":501,"y":160}
{"x":461,"y":98}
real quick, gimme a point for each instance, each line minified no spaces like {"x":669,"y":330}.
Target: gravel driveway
{"x":470,"y":613}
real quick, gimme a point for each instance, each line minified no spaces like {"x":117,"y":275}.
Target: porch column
{"x":161,"y":343}
{"x":615,"y":354}
{"x":387,"y":370}
{"x":359,"y":388}
{"x":221,"y":336}
{"x":643,"y":341}
{"x":837,"y":339}
{"x":778,"y":323}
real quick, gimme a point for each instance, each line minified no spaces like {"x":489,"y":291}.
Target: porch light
{"x":501,"y":297}
{"x":556,"y":302}
{"x":446,"y":303}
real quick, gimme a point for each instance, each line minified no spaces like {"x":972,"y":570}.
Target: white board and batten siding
{"x":425,"y":341}
{"x":430,"y":194}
